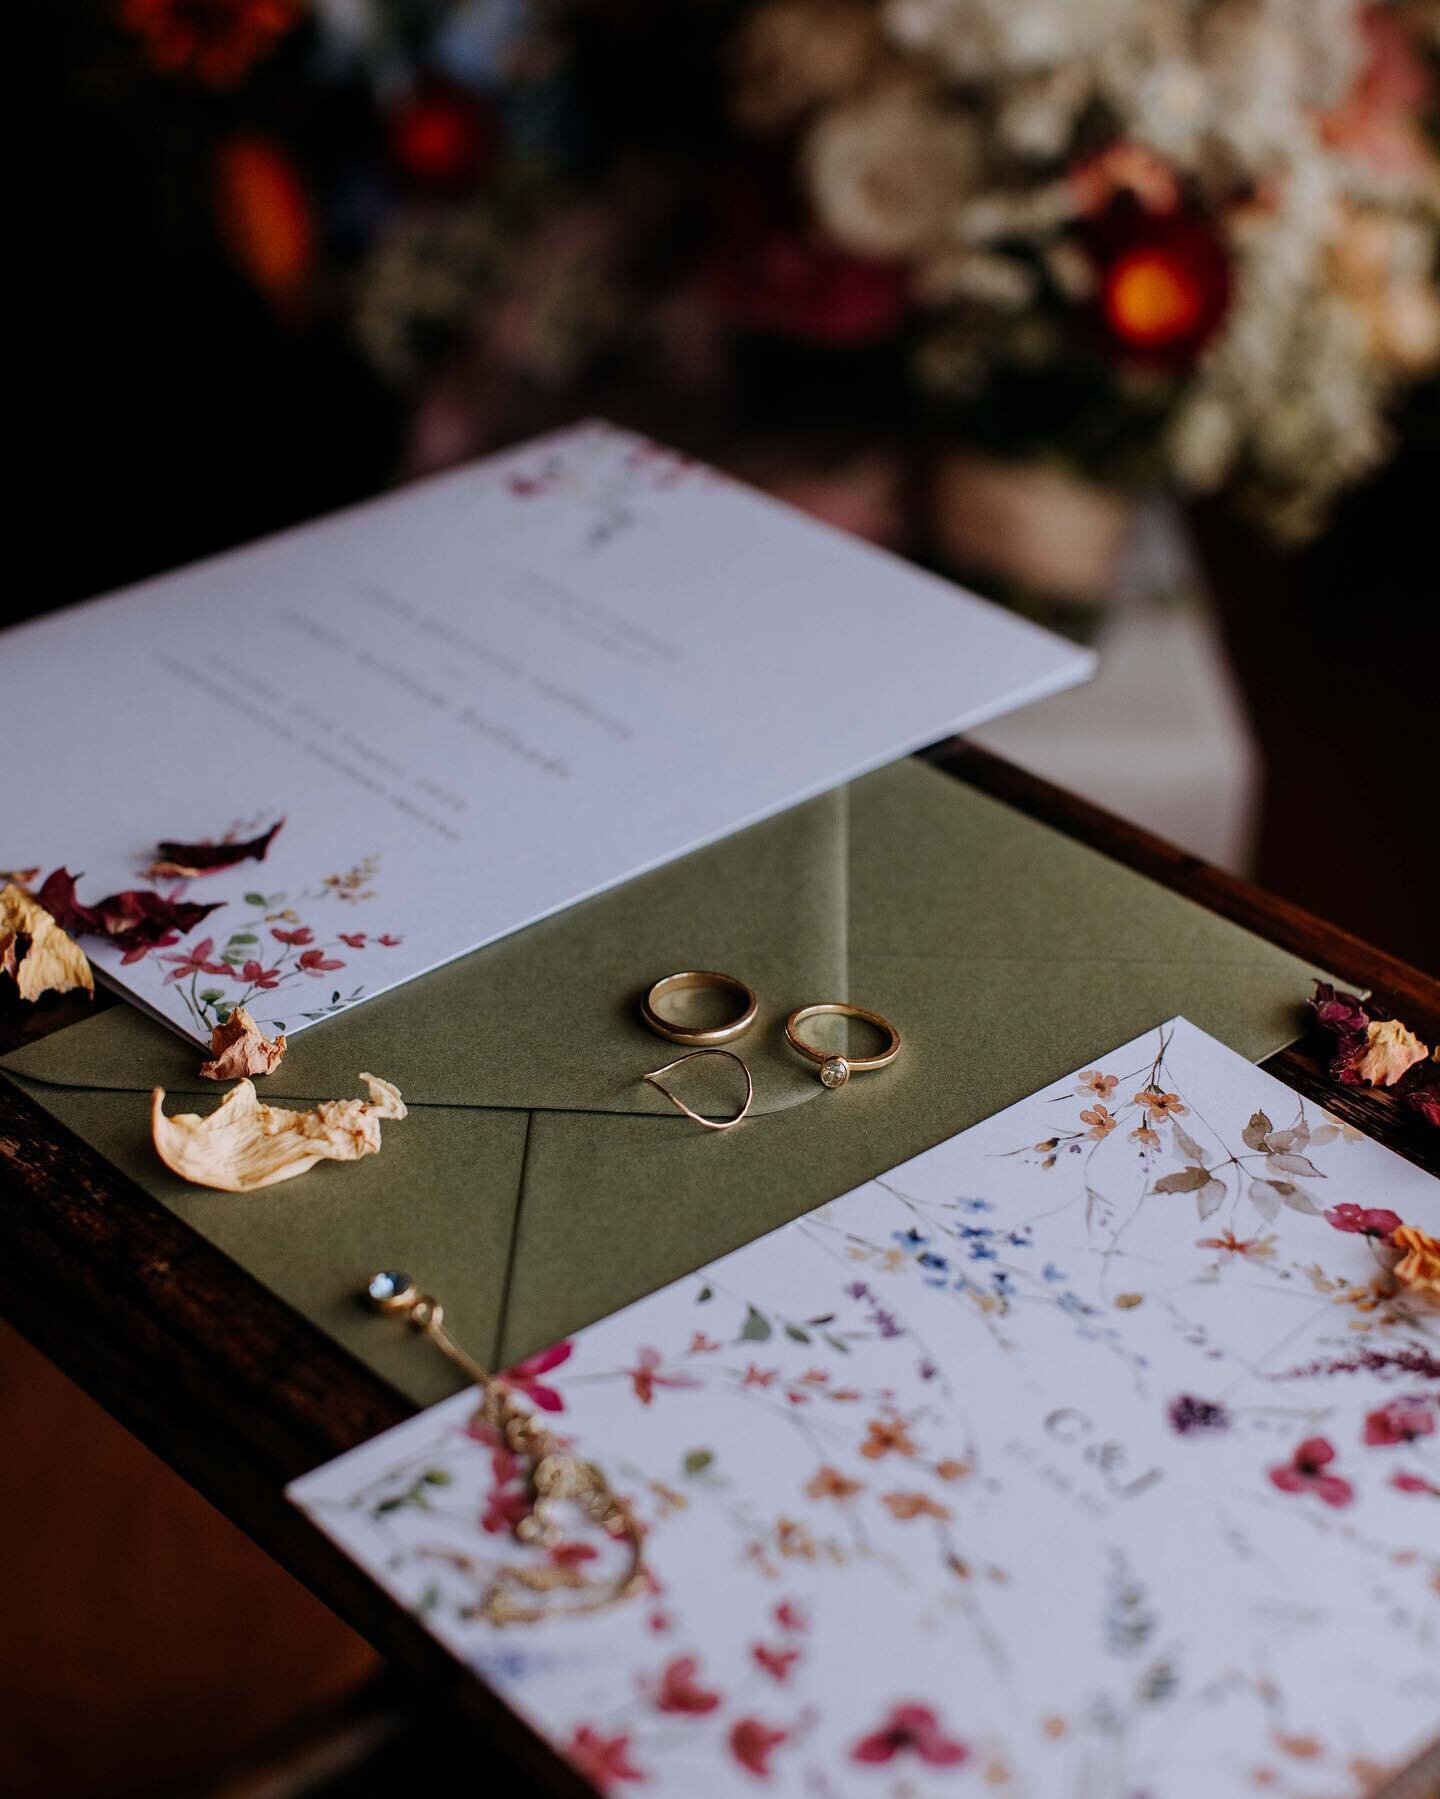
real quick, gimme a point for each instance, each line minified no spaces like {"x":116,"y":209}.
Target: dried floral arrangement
{"x":1188,"y":240}
{"x":1177,"y":243}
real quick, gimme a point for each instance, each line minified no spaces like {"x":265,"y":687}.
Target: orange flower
{"x":1101,"y":1085}
{"x":953,"y":1470}
{"x":1100,"y":1119}
{"x":1144,"y":1134}
{"x":886,"y":1436}
{"x":1159,"y":1105}
{"x":830,"y":1483}
{"x":216,"y":41}
{"x":1256,"y":1248}
{"x":1420,"y":1268}
{"x":915,"y":1505}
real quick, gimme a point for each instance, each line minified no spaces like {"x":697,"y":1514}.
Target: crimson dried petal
{"x":1343,"y":1013}
{"x":188,"y":860}
{"x":1426,"y":1101}
{"x":135,"y":919}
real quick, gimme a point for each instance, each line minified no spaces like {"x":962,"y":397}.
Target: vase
{"x":1030,"y":534}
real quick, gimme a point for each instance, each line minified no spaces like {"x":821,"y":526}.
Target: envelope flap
{"x":546,"y":1019}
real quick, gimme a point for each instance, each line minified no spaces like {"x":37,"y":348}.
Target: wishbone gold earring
{"x":709,"y":1124}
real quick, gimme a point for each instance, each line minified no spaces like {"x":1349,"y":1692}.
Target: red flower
{"x":216,"y":41}
{"x":303,"y":935}
{"x":258,"y":976}
{"x":1305,"y":1472}
{"x":195,"y":961}
{"x":1164,"y":281}
{"x":601,"y":1760}
{"x":1367,"y":1221}
{"x":315,"y":961}
{"x":1413,"y":1483}
{"x":645,"y":1376}
{"x":681,"y":1692}
{"x":442,"y":135}
{"x":913,"y":1730}
{"x":777,"y":1663}
{"x":356,"y":939}
{"x":790,"y":1617}
{"x":753,"y":1743}
{"x":1401,"y":1421}
{"x":389,"y":941}
{"x":525,"y":1376}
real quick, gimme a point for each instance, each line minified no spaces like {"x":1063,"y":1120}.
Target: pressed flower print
{"x":1059,"y":1462}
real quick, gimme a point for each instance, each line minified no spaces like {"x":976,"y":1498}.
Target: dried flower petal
{"x":1426,"y":1101}
{"x":244,"y":1145}
{"x":1341,"y":1012}
{"x":189,"y":860}
{"x":239,"y":1048}
{"x":1387,"y":1051}
{"x":1419,"y":1269}
{"x":134,"y":919}
{"x":35,"y":951}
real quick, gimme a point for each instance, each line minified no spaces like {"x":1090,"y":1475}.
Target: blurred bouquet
{"x":1190,"y":242}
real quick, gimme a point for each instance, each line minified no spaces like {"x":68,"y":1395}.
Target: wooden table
{"x":239,"y":1394}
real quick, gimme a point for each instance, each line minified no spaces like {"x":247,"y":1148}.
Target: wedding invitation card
{"x":1091,"y":1454}
{"x":438,"y":717}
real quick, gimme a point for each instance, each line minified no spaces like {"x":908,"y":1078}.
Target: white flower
{"x":885,"y":171}
{"x":794,"y":55}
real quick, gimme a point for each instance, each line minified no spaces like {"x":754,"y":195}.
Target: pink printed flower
{"x":196,"y":960}
{"x":680,"y":1691}
{"x":389,"y":941}
{"x":137,"y":952}
{"x":1305,"y":1472}
{"x":302,"y":934}
{"x":1366,"y":1221}
{"x":1414,"y":1483}
{"x":911,"y":1730}
{"x":258,"y":975}
{"x":315,"y":961}
{"x":356,"y":939}
{"x":572,"y":1555}
{"x":777,"y":1663}
{"x":753,"y":1743}
{"x":601,"y":1760}
{"x":525,"y":1376}
{"x":790,"y":1617}
{"x":645,"y":1376}
{"x":505,"y":1507}
{"x":1401,"y":1421}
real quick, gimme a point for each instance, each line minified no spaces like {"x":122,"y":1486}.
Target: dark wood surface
{"x":239,"y":1394}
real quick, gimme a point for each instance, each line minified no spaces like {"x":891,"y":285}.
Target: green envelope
{"x":539,"y":1184}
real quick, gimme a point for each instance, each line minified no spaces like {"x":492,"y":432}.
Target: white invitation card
{"x":1092,"y":1454}
{"x":471,"y":703}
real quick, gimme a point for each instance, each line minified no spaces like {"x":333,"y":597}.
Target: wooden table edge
{"x":123,"y":1296}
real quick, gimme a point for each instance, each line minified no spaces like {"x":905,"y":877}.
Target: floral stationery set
{"x":1091,"y":1454}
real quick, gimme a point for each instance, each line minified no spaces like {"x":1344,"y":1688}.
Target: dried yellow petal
{"x":244,"y":1145}
{"x":1419,"y":1268}
{"x":51,"y":961}
{"x":239,"y":1047}
{"x":1389,"y":1050}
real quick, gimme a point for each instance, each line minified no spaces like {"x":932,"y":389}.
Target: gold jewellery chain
{"x":553,"y":1477}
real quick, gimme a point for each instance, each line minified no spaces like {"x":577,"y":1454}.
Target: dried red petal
{"x":135,"y":919}
{"x":189,"y":860}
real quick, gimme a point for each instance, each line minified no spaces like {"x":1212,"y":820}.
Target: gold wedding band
{"x":710,"y":1124}
{"x":836,"y":1070}
{"x":701,"y":1036}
